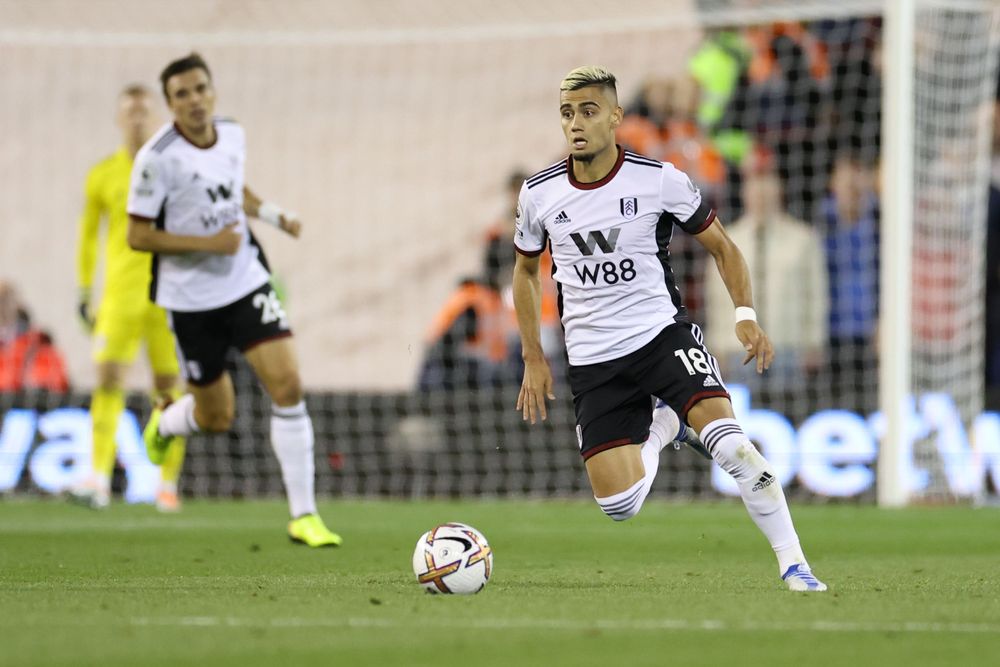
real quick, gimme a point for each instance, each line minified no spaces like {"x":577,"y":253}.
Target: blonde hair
{"x":589,"y":75}
{"x":135,"y":90}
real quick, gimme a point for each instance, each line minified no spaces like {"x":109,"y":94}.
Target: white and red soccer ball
{"x":453,"y":558}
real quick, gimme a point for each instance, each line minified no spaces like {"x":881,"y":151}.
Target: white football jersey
{"x":192,"y":191}
{"x":610,"y":249}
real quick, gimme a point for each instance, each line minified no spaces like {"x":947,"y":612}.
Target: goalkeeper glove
{"x":83,"y":310}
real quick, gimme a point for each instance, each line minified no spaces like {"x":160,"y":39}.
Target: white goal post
{"x":914,"y":78}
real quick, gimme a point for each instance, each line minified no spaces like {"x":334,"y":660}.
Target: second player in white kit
{"x":188,"y":204}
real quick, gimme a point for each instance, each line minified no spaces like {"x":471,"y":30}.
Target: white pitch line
{"x":652,"y":625}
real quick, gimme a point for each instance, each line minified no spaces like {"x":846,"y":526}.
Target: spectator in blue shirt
{"x":850,"y":216}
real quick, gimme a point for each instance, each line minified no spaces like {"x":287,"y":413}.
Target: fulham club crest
{"x":629,"y":207}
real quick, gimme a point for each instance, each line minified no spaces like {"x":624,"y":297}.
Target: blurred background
{"x":400,"y":133}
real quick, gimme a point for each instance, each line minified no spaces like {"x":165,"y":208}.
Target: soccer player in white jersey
{"x":188,"y":204}
{"x":607,"y":216}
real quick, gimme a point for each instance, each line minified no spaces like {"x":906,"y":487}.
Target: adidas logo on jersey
{"x":766,"y":480}
{"x":710,"y":382}
{"x":561,"y":218}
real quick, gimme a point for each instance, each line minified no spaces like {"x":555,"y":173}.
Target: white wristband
{"x":270,"y":213}
{"x":744,"y":313}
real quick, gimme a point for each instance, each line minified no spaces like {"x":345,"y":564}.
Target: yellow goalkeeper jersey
{"x":127,"y":271}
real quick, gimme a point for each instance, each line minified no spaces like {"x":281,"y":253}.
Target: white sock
{"x":102,"y":482}
{"x":627,"y":504}
{"x":98,"y":483}
{"x":178,"y":417}
{"x":759,"y":486}
{"x":292,"y":440}
{"x":666,"y":425}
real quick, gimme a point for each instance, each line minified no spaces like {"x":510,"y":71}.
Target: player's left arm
{"x":736,"y":276}
{"x":271,"y":213}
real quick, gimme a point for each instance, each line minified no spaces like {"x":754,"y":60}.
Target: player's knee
{"x":217,"y":420}
{"x":109,"y":377}
{"x":109,"y":384}
{"x":287,"y":391}
{"x":218,"y":423}
{"x":164,"y":384}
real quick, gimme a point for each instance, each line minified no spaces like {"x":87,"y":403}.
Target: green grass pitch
{"x":681,"y":584}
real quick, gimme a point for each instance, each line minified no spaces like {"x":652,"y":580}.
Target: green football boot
{"x":156,"y":444}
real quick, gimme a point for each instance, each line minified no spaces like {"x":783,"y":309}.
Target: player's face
{"x":136,"y":118}
{"x":191,"y":98}
{"x":590,"y":117}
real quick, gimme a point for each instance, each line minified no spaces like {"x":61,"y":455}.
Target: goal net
{"x":400,"y":130}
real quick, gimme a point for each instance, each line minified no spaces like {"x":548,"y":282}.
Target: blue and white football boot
{"x":800,"y":578}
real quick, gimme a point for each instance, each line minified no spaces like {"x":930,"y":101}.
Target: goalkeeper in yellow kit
{"x":125,"y":317}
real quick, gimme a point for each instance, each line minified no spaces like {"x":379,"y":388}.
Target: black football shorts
{"x":204,"y":337}
{"x":613,"y":399}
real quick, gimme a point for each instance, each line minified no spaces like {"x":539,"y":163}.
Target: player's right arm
{"x":143,"y":235}
{"x":529,"y":241}
{"x":86,"y":249}
{"x":146,"y":198}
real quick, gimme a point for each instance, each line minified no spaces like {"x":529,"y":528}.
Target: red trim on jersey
{"x":621,"y":442}
{"x":596,"y":184}
{"x":700,"y":396}
{"x":708,"y":221}
{"x":530,"y":253}
{"x":204,"y":148}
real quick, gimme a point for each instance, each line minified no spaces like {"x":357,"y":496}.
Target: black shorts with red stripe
{"x":613,"y":399}
{"x":204,"y":337}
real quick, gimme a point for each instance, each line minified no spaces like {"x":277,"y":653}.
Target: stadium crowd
{"x":29,"y":359}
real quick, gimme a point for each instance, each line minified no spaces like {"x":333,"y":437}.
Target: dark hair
{"x":181,"y":65}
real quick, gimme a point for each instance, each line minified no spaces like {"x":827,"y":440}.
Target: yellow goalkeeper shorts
{"x":121,"y":328}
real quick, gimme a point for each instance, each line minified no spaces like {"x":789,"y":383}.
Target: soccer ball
{"x":453,"y":558}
